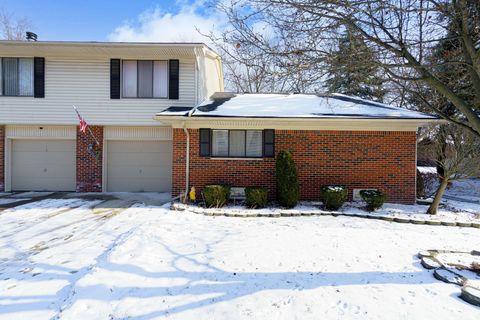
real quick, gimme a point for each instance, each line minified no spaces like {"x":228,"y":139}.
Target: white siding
{"x":86,"y":84}
{"x":137,"y":133}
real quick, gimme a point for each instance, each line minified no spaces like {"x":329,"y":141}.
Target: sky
{"x":116,"y":20}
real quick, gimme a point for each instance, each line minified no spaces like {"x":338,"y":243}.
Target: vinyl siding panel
{"x":86,"y":84}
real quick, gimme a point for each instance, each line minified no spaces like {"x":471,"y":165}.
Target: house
{"x":335,"y":139}
{"x":163,"y":123}
{"x":117,"y":88}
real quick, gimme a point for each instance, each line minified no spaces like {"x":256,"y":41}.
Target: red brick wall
{"x":357,"y":159}
{"x":89,"y":168}
{"x":2,"y":158}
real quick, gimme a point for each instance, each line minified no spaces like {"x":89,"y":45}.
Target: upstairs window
{"x":16,"y":77}
{"x":145,"y":79}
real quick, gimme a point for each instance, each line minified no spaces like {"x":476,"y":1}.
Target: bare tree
{"x":400,"y":32}
{"x":251,"y":68}
{"x":13,"y":28}
{"x":457,"y":152}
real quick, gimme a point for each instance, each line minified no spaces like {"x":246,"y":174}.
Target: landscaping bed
{"x":451,"y":214}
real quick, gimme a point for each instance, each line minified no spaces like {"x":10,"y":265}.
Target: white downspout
{"x":187,"y":162}
{"x":187,"y":154}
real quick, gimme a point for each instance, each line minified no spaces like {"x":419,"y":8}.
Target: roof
{"x":308,"y":106}
{"x":96,"y":47}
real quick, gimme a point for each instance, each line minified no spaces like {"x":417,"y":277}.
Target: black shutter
{"x":39,"y":77}
{"x":173,"y":77}
{"x":269,"y":143}
{"x":114,"y":78}
{"x":204,"y":142}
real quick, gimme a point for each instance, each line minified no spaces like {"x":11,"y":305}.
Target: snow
{"x":432,"y":170}
{"x":450,"y":211}
{"x":466,"y":189}
{"x":335,"y":188}
{"x":59,"y":259}
{"x":303,"y":106}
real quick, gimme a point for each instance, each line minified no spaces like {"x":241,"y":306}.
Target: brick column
{"x":2,"y":158}
{"x":89,"y":161}
{"x":178,"y":163}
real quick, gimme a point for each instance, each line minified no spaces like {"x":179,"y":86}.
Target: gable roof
{"x":307,"y":106}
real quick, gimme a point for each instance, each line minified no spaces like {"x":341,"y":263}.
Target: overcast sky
{"x":116,"y":20}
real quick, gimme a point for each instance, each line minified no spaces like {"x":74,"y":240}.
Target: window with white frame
{"x":144,"y":79}
{"x":237,"y":143}
{"x":16,"y":77}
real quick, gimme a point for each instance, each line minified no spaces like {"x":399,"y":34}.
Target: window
{"x":16,"y":77}
{"x":237,"y":143}
{"x":145,"y":79}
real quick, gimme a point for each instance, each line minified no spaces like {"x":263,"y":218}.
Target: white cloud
{"x":160,"y":26}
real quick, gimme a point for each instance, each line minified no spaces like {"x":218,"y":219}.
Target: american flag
{"x":83,"y":123}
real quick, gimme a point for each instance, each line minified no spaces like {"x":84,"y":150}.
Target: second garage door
{"x":139,"y":166}
{"x":39,"y":165}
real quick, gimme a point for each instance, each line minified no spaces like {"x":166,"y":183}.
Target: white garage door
{"x":39,"y":165}
{"x":139,"y":166}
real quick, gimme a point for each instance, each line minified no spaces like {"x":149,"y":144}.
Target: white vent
{"x":237,"y":193}
{"x":356,"y":194}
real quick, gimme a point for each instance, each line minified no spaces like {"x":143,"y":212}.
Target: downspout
{"x":187,"y":155}
{"x":187,"y":162}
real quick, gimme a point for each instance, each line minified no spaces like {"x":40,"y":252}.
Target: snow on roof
{"x":297,"y":106}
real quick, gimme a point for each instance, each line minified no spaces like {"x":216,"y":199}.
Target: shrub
{"x":287,"y":180}
{"x":333,"y":196}
{"x":373,"y":198}
{"x":256,"y":197}
{"x":216,"y":195}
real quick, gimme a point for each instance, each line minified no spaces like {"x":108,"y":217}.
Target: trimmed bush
{"x":373,"y":198}
{"x":333,"y":196}
{"x":256,"y":197}
{"x":287,"y":180}
{"x":216,"y":195}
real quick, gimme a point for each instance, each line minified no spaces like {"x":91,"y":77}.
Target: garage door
{"x":39,"y":165}
{"x":139,"y":166}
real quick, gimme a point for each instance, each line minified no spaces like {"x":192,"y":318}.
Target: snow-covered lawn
{"x":59,"y":259}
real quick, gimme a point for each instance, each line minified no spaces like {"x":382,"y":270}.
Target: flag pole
{"x":88,"y":127}
{"x":93,"y":136}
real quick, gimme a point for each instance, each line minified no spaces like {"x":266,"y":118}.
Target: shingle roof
{"x":230,"y":105}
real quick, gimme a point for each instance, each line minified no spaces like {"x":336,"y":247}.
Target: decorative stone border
{"x":248,"y":213}
{"x":469,"y":293}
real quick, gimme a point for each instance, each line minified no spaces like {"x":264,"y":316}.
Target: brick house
{"x":335,"y":139}
{"x":164,"y":124}
{"x":118,"y":88}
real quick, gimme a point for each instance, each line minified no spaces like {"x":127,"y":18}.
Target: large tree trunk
{"x":438,"y":196}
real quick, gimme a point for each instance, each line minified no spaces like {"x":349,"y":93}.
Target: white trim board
{"x":138,"y":133}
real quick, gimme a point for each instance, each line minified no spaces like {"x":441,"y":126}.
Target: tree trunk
{"x":438,"y":196}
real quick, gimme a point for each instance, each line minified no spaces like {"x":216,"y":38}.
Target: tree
{"x":352,"y":71}
{"x":401,"y":33}
{"x":247,"y":66}
{"x":458,"y":154}
{"x":13,"y":28}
